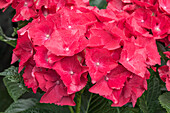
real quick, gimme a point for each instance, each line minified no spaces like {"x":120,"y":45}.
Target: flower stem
{"x":71,"y":109}
{"x":78,"y":104}
{"x":118,"y":111}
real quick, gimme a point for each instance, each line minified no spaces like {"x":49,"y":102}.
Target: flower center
{"x":45,"y":13}
{"x":164,"y":7}
{"x":47,"y":36}
{"x":47,"y":59}
{"x":106,"y":78}
{"x":97,"y":63}
{"x":57,"y":8}
{"x":71,"y":72}
{"x":67,"y":49}
{"x":71,"y":8}
{"x":157,"y":29}
{"x":142,"y":21}
{"x":69,"y":27}
{"x":153,"y":14}
{"x":57,"y":82}
{"x":25,"y":4}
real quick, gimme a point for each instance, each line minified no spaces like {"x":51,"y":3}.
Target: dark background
{"x":5,"y":54}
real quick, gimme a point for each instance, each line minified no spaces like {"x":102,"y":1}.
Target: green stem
{"x":71,"y":109}
{"x":78,"y":104}
{"x":118,"y":111}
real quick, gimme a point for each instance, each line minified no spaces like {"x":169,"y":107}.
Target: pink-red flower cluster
{"x":68,"y":39}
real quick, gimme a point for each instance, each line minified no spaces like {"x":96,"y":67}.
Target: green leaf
{"x":143,"y":104}
{"x":101,"y":4}
{"x":15,"y":89}
{"x":4,"y":97}
{"x":98,"y":104}
{"x":164,"y":99}
{"x":47,"y":108}
{"x":129,"y":110}
{"x":13,"y":82}
{"x":21,"y":105}
{"x":149,"y":103}
{"x":37,"y":110}
{"x":93,"y":103}
{"x":10,"y":71}
{"x":161,"y":49}
{"x":8,"y":40}
{"x":23,"y":23}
